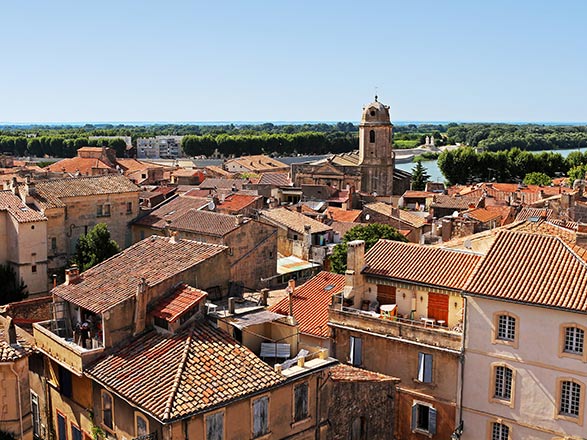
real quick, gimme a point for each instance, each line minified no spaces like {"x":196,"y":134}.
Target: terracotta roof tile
{"x":311,"y":301}
{"x":420,"y":264}
{"x":257,"y":163}
{"x":83,"y":165}
{"x":450,"y":202}
{"x":343,"y":215}
{"x":275,"y":179}
{"x":294,"y":220}
{"x":115,"y":280}
{"x":483,"y":215}
{"x":171,"y":210}
{"x":348,"y":373}
{"x":237,"y":202}
{"x":206,"y":222}
{"x":182,"y":299}
{"x":17,"y":209}
{"x":408,"y":217}
{"x":527,"y":213}
{"x":173,"y":376}
{"x":532,"y":268}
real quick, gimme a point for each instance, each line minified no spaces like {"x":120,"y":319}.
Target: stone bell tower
{"x":376,"y":156}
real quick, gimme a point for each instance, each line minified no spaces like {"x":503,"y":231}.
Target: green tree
{"x":12,"y":289}
{"x":94,"y":247}
{"x":370,"y":233}
{"x":419,"y":177}
{"x":577,"y":173}
{"x":537,"y":179}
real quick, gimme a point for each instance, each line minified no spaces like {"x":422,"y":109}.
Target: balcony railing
{"x":64,"y":350}
{"x":408,"y":329}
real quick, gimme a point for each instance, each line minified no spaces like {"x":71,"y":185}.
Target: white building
{"x":164,"y":147}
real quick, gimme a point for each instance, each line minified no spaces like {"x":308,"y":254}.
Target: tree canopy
{"x":537,"y":179}
{"x":94,"y":247}
{"x":370,"y":233}
{"x":419,"y":177}
{"x":13,"y":289}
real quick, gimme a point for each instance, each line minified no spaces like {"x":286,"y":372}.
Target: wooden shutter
{"x":215,"y":426}
{"x":386,"y":294}
{"x":438,"y":306}
{"x":425,"y":367}
{"x":356,"y":354}
{"x":301,"y":401}
{"x":414,"y":416}
{"x":432,"y":421}
{"x":260,"y":416}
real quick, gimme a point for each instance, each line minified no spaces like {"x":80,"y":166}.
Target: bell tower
{"x":376,"y":156}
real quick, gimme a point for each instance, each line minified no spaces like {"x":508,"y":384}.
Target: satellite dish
{"x":368,"y":216}
{"x":211,"y":206}
{"x":455,"y":214}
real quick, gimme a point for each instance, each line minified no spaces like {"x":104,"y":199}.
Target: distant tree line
{"x":464,"y":165}
{"x":55,"y":146}
{"x":531,"y":137}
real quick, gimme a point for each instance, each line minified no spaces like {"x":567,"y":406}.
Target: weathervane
{"x":376,"y":93}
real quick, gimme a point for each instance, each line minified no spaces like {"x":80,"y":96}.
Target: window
{"x":506,"y":327}
{"x":76,"y":433}
{"x":103,"y":210}
{"x":359,"y":429}
{"x":574,"y":340}
{"x":372,"y":136}
{"x":424,"y":367}
{"x":129,"y":207}
{"x":141,"y":425}
{"x":61,"y":426}
{"x":215,"y":426}
{"x":570,"y":398}
{"x":356,"y":353}
{"x":301,"y":402}
{"x":65,"y":387}
{"x":36,"y":413}
{"x":503,"y":383}
{"x":260,"y":416}
{"x":499,"y":431}
{"x":423,"y":418}
{"x":107,"y":410}
{"x":34,"y":268}
{"x":53,"y":243}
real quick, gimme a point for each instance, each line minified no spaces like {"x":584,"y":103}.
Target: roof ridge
{"x":177,"y":380}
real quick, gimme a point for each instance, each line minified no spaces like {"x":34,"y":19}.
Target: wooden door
{"x":385,"y":294}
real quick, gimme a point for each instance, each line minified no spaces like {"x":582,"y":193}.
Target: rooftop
{"x":18,"y":210}
{"x":115,"y":280}
{"x":275,"y":179}
{"x":294,"y":220}
{"x":171,"y":210}
{"x":419,"y":264}
{"x":257,"y":163}
{"x":176,"y":376}
{"x":178,"y":302}
{"x":206,"y":222}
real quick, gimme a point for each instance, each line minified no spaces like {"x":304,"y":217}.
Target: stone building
{"x":370,"y":170}
{"x":74,"y":206}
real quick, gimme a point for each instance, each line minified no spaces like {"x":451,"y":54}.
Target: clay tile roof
{"x":182,"y":299}
{"x":343,"y":215}
{"x":205,"y":222}
{"x":311,"y":301}
{"x":258,"y":162}
{"x":275,"y":179}
{"x":483,"y":215}
{"x":17,"y":209}
{"x":84,"y":165}
{"x":173,"y":376}
{"x":534,"y":213}
{"x":532,"y":268}
{"x":412,"y":219}
{"x":294,"y":220}
{"x":218,"y":170}
{"x":171,"y":210}
{"x":213,"y":183}
{"x":450,"y":202}
{"x":115,"y":280}
{"x":419,"y":194}
{"x":348,"y":373}
{"x":237,"y":202}
{"x":49,"y":192}
{"x":420,"y":264}
{"x":11,"y":353}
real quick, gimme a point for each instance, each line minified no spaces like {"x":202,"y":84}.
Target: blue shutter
{"x":428,"y":368}
{"x":358,"y":352}
{"x":432,"y":421}
{"x":414,"y":416}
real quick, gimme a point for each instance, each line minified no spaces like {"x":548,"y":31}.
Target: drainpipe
{"x":459,"y":428}
{"x":19,"y":399}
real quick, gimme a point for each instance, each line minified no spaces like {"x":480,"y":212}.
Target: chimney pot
{"x":71,"y":275}
{"x":231,"y":305}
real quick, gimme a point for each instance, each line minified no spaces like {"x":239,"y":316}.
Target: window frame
{"x":562,"y":342}
{"x":214,"y":414}
{"x":73,"y":426}
{"x":267,"y":430}
{"x":578,"y":419}
{"x":102,"y":394}
{"x":491,"y":423}
{"x":305,"y":416}
{"x":142,"y":416}
{"x":495,"y":339}
{"x":421,"y":375}
{"x":57,"y":414}
{"x":353,"y":349}
{"x":432,"y":416}
{"x":36,"y":415}
{"x":493,"y":382}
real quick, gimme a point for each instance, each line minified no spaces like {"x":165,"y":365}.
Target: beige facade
{"x":538,"y":363}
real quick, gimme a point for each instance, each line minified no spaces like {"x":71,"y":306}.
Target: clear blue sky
{"x":275,"y":60}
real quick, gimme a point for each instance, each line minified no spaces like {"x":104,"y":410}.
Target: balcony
{"x":419,"y":331}
{"x":65,"y":350}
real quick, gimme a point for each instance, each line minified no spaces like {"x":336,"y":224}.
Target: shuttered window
{"x":425,"y":367}
{"x":423,"y":418}
{"x":438,"y":306}
{"x":356,"y":354}
{"x":215,"y":426}
{"x":260,"y":416}
{"x":301,"y":402}
{"x":386,"y":294}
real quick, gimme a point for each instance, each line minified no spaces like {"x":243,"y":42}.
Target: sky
{"x":278,"y":60}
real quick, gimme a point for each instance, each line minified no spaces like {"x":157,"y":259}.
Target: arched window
{"x":372,"y":136}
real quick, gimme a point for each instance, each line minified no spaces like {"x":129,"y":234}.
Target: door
{"x":385,"y":294}
{"x":438,"y":306}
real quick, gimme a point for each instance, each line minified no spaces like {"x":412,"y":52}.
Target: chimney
{"x":172,"y":239}
{"x":71,"y":275}
{"x":355,"y":255}
{"x":14,"y":186}
{"x":354,"y":280}
{"x":141,"y":306}
{"x":239,"y":219}
{"x":291,"y":287}
{"x":231,"y":305}
{"x":264,"y":297}
{"x":10,"y":331}
{"x":446,"y":229}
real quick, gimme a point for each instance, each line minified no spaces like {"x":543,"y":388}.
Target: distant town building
{"x":255,"y":164}
{"x":159,"y":147}
{"x":370,"y":170}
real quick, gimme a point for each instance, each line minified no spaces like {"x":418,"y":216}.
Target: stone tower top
{"x":375,"y":113}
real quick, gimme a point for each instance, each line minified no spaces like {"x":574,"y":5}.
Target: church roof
{"x":375,"y":113}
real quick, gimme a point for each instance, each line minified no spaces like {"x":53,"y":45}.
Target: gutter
{"x":19,"y":396}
